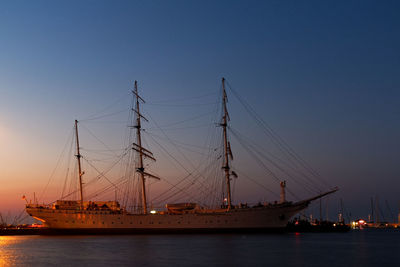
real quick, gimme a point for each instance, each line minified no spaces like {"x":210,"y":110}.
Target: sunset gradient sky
{"x":324,"y":74}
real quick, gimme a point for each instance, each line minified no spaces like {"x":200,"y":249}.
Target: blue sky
{"x":323,"y":74}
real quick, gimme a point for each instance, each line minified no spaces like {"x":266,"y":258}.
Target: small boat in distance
{"x":85,"y":216}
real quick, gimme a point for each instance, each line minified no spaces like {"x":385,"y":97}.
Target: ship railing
{"x":39,"y":206}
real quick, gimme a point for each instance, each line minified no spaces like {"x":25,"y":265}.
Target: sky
{"x":322,"y":74}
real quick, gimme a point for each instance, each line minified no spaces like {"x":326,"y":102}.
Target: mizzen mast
{"x":227,"y":147}
{"x":78,"y":157}
{"x":142,"y":152}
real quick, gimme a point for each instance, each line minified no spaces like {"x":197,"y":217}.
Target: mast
{"x":78,"y":157}
{"x":142,"y":152}
{"x":376,"y":210}
{"x":140,"y":168}
{"x":372,"y":209}
{"x":341,"y":219}
{"x":227,"y":150}
{"x":320,"y":210}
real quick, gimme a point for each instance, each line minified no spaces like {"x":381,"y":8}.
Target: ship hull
{"x":272,"y":218}
{"x":158,"y":231}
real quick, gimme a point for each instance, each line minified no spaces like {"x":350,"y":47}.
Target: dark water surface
{"x":355,"y":248}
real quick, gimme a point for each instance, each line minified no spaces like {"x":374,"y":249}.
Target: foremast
{"x":142,"y":152}
{"x":227,"y":147}
{"x":78,"y":157}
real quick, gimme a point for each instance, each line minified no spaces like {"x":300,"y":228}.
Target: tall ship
{"x":110,"y":216}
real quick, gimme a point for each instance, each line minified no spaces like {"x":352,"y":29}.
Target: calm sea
{"x":355,"y":248}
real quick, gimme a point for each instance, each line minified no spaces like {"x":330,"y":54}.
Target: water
{"x":356,"y":248}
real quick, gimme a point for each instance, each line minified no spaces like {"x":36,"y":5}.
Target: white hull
{"x":268,"y":217}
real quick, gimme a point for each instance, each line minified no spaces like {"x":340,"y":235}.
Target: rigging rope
{"x":56,"y":167}
{"x":92,"y":117}
{"x":282,"y":144}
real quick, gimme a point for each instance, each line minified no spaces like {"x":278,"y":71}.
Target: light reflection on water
{"x":357,"y":248}
{"x":7,"y":254}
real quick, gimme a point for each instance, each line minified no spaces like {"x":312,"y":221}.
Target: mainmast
{"x":142,"y":152}
{"x":227,"y":147}
{"x":78,"y":157}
